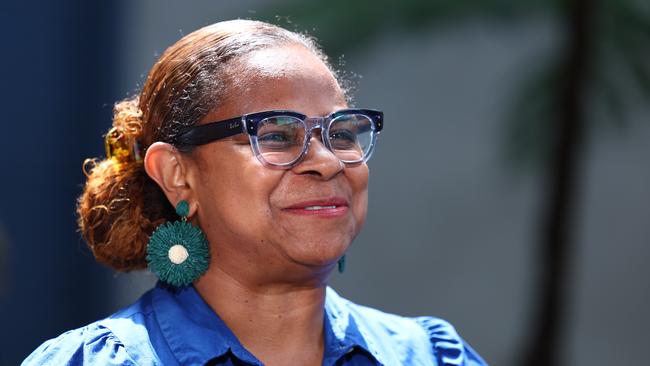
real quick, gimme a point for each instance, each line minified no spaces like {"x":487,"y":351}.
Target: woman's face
{"x":261,"y":220}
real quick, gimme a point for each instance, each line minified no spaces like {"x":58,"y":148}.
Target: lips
{"x":329,"y":207}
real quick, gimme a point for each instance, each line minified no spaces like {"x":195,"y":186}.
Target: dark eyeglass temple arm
{"x":203,"y":134}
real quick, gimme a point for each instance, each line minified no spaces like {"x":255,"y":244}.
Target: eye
{"x":278,"y":133}
{"x":276,"y":140}
{"x":342,"y":138}
{"x":273,"y":137}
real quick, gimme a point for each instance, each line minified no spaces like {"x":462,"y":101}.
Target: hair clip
{"x":121,"y":148}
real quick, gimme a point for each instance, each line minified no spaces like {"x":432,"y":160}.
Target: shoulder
{"x":121,"y":339}
{"x":407,"y":340}
{"x":448,"y":346}
{"x":93,"y":344}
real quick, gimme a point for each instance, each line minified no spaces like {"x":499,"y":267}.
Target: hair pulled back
{"x":121,"y":205}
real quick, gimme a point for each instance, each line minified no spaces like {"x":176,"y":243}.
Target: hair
{"x":121,"y":205}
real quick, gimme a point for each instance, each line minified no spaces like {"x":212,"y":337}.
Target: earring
{"x":341,"y":264}
{"x":178,"y":252}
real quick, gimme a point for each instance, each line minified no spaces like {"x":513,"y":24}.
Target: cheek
{"x":234,"y":190}
{"x":358,"y":178}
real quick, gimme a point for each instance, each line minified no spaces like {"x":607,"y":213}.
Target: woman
{"x":239,"y":177}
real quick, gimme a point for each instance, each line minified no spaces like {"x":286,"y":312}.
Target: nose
{"x":319,"y":160}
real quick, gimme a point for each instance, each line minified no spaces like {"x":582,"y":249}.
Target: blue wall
{"x":58,"y":69}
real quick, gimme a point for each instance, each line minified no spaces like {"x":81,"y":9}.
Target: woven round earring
{"x":178,"y":251}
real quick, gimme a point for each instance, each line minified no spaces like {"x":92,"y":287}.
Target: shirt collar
{"x":196,"y":334}
{"x":344,"y":332}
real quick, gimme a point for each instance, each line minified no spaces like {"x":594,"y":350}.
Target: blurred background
{"x":510,"y":193}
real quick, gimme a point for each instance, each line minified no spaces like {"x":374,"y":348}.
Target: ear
{"x":169,"y":168}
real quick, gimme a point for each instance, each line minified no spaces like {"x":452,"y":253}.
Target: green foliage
{"x":618,"y":52}
{"x":528,"y":135}
{"x":341,"y":25}
{"x":625,"y":30}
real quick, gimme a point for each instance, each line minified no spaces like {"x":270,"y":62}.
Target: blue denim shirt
{"x":176,"y":327}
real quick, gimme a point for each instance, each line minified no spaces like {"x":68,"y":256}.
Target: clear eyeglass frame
{"x":251,"y":123}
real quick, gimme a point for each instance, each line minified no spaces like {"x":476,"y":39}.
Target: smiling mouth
{"x":325,"y":208}
{"x":314,"y":208}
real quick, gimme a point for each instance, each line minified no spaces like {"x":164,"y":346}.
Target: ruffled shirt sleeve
{"x":90,"y":345}
{"x":449,"y":349}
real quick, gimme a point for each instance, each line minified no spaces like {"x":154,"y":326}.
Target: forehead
{"x":289,"y":77}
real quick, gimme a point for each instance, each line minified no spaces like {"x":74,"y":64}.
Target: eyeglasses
{"x":282,"y":138}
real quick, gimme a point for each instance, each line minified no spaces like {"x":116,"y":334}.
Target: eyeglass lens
{"x":281,"y":139}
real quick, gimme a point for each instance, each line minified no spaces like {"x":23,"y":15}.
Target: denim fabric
{"x":176,"y":327}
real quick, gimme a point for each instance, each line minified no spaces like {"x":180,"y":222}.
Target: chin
{"x":319,"y":253}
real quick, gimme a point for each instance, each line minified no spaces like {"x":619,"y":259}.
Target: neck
{"x":279,"y":323}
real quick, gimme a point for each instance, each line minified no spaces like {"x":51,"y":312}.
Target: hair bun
{"x":120,"y":205}
{"x":127,"y":117}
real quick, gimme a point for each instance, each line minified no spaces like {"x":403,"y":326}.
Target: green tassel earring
{"x":341,"y":264}
{"x":178,"y":251}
